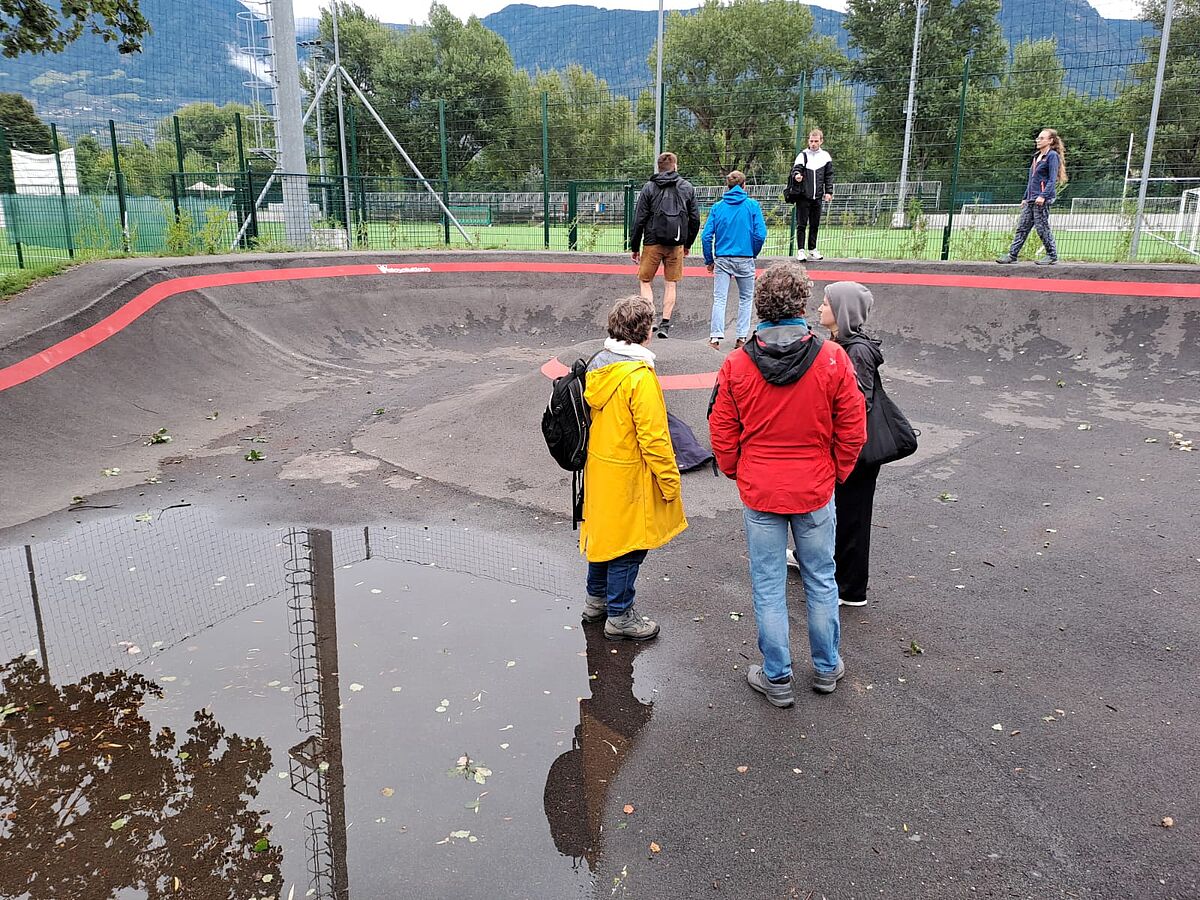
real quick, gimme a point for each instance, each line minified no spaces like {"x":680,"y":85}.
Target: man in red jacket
{"x":787,"y":422}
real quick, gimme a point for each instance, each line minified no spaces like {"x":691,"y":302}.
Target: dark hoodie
{"x":783,"y":353}
{"x":851,"y":303}
{"x":643,"y":227}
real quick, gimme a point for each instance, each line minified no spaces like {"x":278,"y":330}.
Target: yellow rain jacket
{"x":631,"y":493}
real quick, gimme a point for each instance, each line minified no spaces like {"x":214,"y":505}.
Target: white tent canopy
{"x":37,"y":173}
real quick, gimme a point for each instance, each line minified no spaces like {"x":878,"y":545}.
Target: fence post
{"x":445,"y":168}
{"x":10,"y":223}
{"x":800,"y":141}
{"x":121,"y":211}
{"x":252,"y":231}
{"x":62,"y":193}
{"x":962,"y":114}
{"x":243,"y":212}
{"x":572,"y":215}
{"x":628,"y":217}
{"x":662,"y":119}
{"x":178,"y":166}
{"x":355,"y":182}
{"x":546,"y":169}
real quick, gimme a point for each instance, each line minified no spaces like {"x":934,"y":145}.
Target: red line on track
{"x":131,"y":311}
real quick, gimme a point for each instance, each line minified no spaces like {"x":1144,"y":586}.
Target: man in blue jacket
{"x":733,"y":236}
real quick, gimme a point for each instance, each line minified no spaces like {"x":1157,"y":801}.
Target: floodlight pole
{"x":658,"y":91}
{"x":901,"y":216}
{"x":1158,"y":86}
{"x":292,"y":162}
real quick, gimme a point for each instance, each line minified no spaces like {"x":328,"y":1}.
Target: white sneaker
{"x":815,"y":254}
{"x":801,"y":256}
{"x":791,"y":560}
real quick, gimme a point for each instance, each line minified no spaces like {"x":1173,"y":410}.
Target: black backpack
{"x":566,"y":424}
{"x":793,"y":191}
{"x":669,"y":219}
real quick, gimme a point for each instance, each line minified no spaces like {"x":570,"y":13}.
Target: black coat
{"x":643,"y":230}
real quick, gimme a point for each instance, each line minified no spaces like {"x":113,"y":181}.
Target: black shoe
{"x":1046,"y":261}
{"x":663,"y":327}
{"x":1006,"y":260}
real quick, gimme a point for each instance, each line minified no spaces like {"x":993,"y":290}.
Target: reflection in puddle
{"x":329,"y":685}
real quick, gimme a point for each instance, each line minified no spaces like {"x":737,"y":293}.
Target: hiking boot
{"x":715,"y":343}
{"x":629,"y":626}
{"x":595,"y":609}
{"x":781,"y":695}
{"x":1006,"y":260}
{"x":827,"y":684}
{"x":1046,"y":261}
{"x":739,"y":343}
{"x":663,"y":327}
{"x":801,"y":256}
{"x":815,"y":254}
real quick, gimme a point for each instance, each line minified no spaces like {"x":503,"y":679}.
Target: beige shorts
{"x":671,"y":259}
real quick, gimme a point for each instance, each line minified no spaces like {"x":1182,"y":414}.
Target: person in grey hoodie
{"x":844,"y":311}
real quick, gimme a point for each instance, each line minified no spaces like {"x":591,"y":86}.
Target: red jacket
{"x":787,"y":441}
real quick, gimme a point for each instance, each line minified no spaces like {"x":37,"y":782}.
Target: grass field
{"x":836,"y":243}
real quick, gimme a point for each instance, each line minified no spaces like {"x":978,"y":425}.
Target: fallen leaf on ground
{"x":628,"y":809}
{"x":1167,"y":822}
{"x":654,"y":848}
{"x":742,"y":770}
{"x":387,"y":791}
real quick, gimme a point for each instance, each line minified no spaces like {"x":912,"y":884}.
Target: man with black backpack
{"x":666,"y":221}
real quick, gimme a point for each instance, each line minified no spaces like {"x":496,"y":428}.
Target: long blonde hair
{"x":1058,"y":147}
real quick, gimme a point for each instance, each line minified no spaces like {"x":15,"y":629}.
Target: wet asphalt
{"x":1018,"y":718}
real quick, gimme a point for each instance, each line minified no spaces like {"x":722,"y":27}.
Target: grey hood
{"x":851,"y":304}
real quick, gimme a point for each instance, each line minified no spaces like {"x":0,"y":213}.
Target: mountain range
{"x":193,"y":54}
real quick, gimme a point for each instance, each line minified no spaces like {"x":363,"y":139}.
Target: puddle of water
{"x":358,"y":713}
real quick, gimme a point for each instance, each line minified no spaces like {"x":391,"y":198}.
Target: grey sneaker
{"x":815,"y":254}
{"x":827,"y":684}
{"x":792,"y":562}
{"x":1006,"y":260}
{"x":629,"y":626}
{"x":780,"y":695}
{"x":595,"y":609}
{"x":1046,"y":261}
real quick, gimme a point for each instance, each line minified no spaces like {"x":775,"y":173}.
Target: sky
{"x":390,"y":11}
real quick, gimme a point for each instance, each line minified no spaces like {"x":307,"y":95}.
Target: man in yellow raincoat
{"x":631,"y":486}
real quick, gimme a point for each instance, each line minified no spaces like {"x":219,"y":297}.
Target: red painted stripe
{"x":52,"y":357}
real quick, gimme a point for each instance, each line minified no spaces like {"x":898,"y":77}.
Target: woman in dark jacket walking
{"x":1047,"y":172}
{"x":844,"y":310}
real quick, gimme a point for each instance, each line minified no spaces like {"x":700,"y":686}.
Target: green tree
{"x":732,"y":75}
{"x":404,"y":74}
{"x":1032,"y":95}
{"x":37,"y":26}
{"x":882,"y":32}
{"x":1177,"y":139}
{"x":209,"y":135}
{"x":593,"y":133}
{"x":93,"y":164}
{"x":24,"y":131}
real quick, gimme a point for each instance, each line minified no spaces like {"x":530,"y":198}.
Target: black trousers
{"x":854,"y":500}
{"x":808,"y":215}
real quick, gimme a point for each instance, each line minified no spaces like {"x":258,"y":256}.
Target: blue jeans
{"x":815,"y":534}
{"x":613,"y":580}
{"x":740,"y":268}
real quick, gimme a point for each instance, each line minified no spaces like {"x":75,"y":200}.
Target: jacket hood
{"x":783,"y":353}
{"x":665,"y":179}
{"x":735,"y":195}
{"x":851,"y":304}
{"x":603,"y":382}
